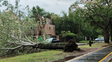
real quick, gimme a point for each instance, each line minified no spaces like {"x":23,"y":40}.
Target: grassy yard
{"x":85,"y":41}
{"x":37,"y":57}
{"x":96,"y":45}
{"x":46,"y":55}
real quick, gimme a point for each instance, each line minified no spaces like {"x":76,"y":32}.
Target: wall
{"x":49,"y":29}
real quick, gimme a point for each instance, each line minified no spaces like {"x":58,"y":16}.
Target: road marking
{"x":105,"y":57}
{"x":85,"y":55}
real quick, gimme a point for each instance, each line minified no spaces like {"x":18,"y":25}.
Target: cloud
{"x":56,"y":6}
{"x":67,"y":0}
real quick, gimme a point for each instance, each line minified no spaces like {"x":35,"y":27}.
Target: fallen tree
{"x":30,"y":47}
{"x":25,"y":47}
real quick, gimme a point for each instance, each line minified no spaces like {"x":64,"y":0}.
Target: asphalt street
{"x":101,"y":55}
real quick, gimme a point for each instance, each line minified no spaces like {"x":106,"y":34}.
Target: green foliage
{"x":5,"y":3}
{"x":65,"y":23}
{"x":92,"y":17}
{"x":70,"y":34}
{"x":77,"y":22}
{"x":64,"y":34}
{"x":37,"y":13}
{"x":100,"y":36}
{"x":80,"y":38}
{"x":83,"y":41}
{"x":9,"y":26}
{"x":14,"y":28}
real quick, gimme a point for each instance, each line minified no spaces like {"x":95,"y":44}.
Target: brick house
{"x":47,"y":29}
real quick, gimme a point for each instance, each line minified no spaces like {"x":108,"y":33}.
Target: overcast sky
{"x":55,"y":6}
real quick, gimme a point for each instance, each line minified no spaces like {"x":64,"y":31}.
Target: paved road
{"x":101,"y":55}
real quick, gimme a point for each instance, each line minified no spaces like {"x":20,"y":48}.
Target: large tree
{"x":84,"y":28}
{"x":38,"y":14}
{"x":98,"y":12}
{"x":65,"y":23}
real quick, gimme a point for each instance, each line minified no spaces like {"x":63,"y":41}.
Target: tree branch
{"x":95,"y":22}
{"x":29,"y":39}
{"x":96,"y":13}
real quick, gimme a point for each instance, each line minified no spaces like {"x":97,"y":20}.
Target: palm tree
{"x":38,"y":13}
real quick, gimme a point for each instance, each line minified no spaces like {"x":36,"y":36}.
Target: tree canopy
{"x":97,"y":12}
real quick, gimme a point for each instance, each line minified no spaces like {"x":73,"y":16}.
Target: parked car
{"x":52,"y":40}
{"x":100,"y":39}
{"x":55,"y":40}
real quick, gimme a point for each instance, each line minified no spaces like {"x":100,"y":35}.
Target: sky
{"x":54,"y":6}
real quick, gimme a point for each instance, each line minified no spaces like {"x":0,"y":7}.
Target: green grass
{"x":37,"y":57}
{"x":97,"y":45}
{"x":85,"y":41}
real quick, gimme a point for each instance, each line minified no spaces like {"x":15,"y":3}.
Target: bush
{"x":80,"y":38}
{"x":71,"y":34}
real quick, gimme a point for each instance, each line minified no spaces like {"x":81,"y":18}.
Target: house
{"x":47,"y":30}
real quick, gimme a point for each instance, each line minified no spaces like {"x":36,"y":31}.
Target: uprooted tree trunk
{"x":28,"y":47}
{"x":51,"y":46}
{"x":111,"y":30}
{"x":71,"y":46}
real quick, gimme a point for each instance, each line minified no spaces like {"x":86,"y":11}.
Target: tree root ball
{"x":71,"y":46}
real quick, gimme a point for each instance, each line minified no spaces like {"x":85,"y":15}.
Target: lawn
{"x":45,"y":56}
{"x":96,"y":45}
{"x":85,"y":41}
{"x":37,"y":57}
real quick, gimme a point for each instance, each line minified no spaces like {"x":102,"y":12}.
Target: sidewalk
{"x":79,"y":44}
{"x":101,"y":55}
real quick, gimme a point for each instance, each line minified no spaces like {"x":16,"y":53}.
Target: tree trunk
{"x":106,"y":35}
{"x":111,"y":30}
